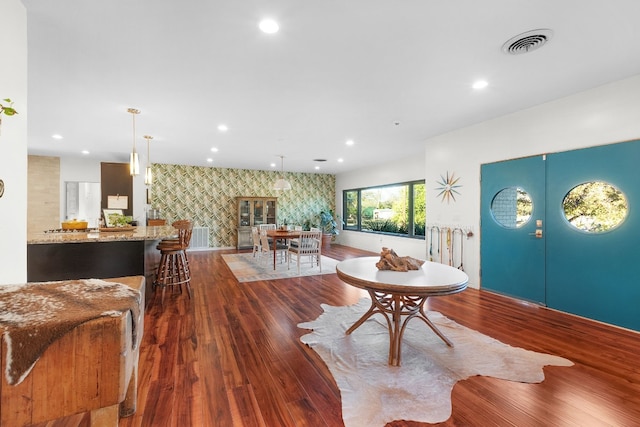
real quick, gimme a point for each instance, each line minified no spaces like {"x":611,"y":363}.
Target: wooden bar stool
{"x":173,"y":269}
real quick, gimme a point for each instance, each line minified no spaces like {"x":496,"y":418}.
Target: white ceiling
{"x":337,"y":70}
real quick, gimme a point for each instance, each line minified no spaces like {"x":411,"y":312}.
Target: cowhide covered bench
{"x":70,"y":347}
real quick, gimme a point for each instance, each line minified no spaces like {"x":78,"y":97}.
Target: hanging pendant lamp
{"x":148,"y":176}
{"x":281,"y":183}
{"x":134,"y":164}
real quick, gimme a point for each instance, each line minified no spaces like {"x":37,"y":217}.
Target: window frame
{"x":410,"y":191}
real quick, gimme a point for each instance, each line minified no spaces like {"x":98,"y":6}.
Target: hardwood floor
{"x":231,"y":356}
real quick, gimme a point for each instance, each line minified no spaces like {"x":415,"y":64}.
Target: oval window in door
{"x":595,"y":207}
{"x":512,"y":207}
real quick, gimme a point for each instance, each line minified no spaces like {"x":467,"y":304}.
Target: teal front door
{"x":512,"y":210}
{"x":595,"y":274}
{"x":585,"y":270}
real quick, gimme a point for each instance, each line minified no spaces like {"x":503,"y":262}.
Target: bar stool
{"x":173,"y":269}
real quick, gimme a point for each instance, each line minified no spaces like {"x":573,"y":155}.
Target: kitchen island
{"x":95,"y":254}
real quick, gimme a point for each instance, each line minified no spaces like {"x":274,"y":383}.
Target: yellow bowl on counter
{"x":75,"y":225}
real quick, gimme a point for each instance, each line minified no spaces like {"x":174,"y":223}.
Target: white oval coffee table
{"x":398,"y":294}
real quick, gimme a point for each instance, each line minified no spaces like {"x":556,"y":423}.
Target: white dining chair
{"x":255,"y":235}
{"x":265,"y":227}
{"x":310,"y":246}
{"x":265,"y":247}
{"x":295,"y":241}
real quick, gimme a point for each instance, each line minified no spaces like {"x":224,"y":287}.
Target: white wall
{"x":603,"y":115}
{"x":409,"y":169}
{"x":13,"y":143}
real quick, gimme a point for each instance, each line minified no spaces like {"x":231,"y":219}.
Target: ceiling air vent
{"x":527,"y":42}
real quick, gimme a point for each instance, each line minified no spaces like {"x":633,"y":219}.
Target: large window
{"x":398,"y":209}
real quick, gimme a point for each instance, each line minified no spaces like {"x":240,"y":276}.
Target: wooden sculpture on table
{"x":390,"y":260}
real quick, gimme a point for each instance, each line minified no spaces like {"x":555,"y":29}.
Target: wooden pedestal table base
{"x":400,"y":294}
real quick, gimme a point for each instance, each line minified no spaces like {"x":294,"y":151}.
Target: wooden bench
{"x":92,"y":368}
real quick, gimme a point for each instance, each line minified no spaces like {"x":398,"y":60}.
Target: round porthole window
{"x":595,"y":207}
{"x":512,"y":207}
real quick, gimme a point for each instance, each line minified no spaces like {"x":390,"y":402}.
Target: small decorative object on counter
{"x":74,"y":224}
{"x":390,"y":260}
{"x":118,"y":220}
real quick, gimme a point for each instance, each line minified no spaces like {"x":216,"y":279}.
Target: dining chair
{"x":265,"y":227}
{"x":265,"y":247}
{"x":295,"y":241}
{"x":310,"y":246}
{"x":255,"y":235}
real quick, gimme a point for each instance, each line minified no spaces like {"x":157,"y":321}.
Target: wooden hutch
{"x":253,"y":211}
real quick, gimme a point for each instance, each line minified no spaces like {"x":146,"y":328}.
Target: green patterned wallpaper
{"x":206,"y":196}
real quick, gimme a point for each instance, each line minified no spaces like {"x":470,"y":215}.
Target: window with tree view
{"x":398,"y":209}
{"x":595,"y":207}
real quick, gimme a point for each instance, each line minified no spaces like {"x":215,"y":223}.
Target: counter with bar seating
{"x":95,"y":254}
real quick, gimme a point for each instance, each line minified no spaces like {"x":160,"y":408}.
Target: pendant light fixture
{"x":281,"y":183}
{"x":134,"y":164}
{"x":148,"y":177}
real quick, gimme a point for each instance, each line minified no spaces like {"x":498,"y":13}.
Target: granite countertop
{"x":138,"y":233}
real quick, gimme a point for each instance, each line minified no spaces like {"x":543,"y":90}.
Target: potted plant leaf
{"x":119,"y":221}
{"x":328,"y":223}
{"x":7,"y":109}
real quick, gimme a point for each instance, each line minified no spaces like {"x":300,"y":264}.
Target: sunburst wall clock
{"x":447,"y":187}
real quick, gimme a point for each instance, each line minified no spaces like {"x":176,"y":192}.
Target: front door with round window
{"x":584,"y":240}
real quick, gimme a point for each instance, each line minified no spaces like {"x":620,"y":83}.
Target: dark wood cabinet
{"x":115,"y":180}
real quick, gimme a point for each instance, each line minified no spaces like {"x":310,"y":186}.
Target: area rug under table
{"x":374,"y":393}
{"x":247,"y":268}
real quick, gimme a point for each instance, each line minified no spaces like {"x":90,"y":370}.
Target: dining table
{"x":280,"y":234}
{"x":400,"y":295}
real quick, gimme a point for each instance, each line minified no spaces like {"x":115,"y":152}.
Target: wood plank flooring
{"x":231,"y":356}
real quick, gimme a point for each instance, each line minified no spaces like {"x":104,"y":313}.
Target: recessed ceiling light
{"x":85,"y":152}
{"x":480,"y":84}
{"x":340,"y":160}
{"x":210,"y":160}
{"x":223,"y":128}
{"x":350,"y":142}
{"x":214,"y":149}
{"x":269,"y":26}
{"x":56,"y":136}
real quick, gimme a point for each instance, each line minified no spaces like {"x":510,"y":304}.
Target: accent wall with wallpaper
{"x":207,"y":196}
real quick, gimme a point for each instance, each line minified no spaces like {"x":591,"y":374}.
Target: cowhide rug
{"x":374,"y":393}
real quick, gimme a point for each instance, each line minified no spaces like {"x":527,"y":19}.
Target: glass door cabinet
{"x":253,"y":211}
